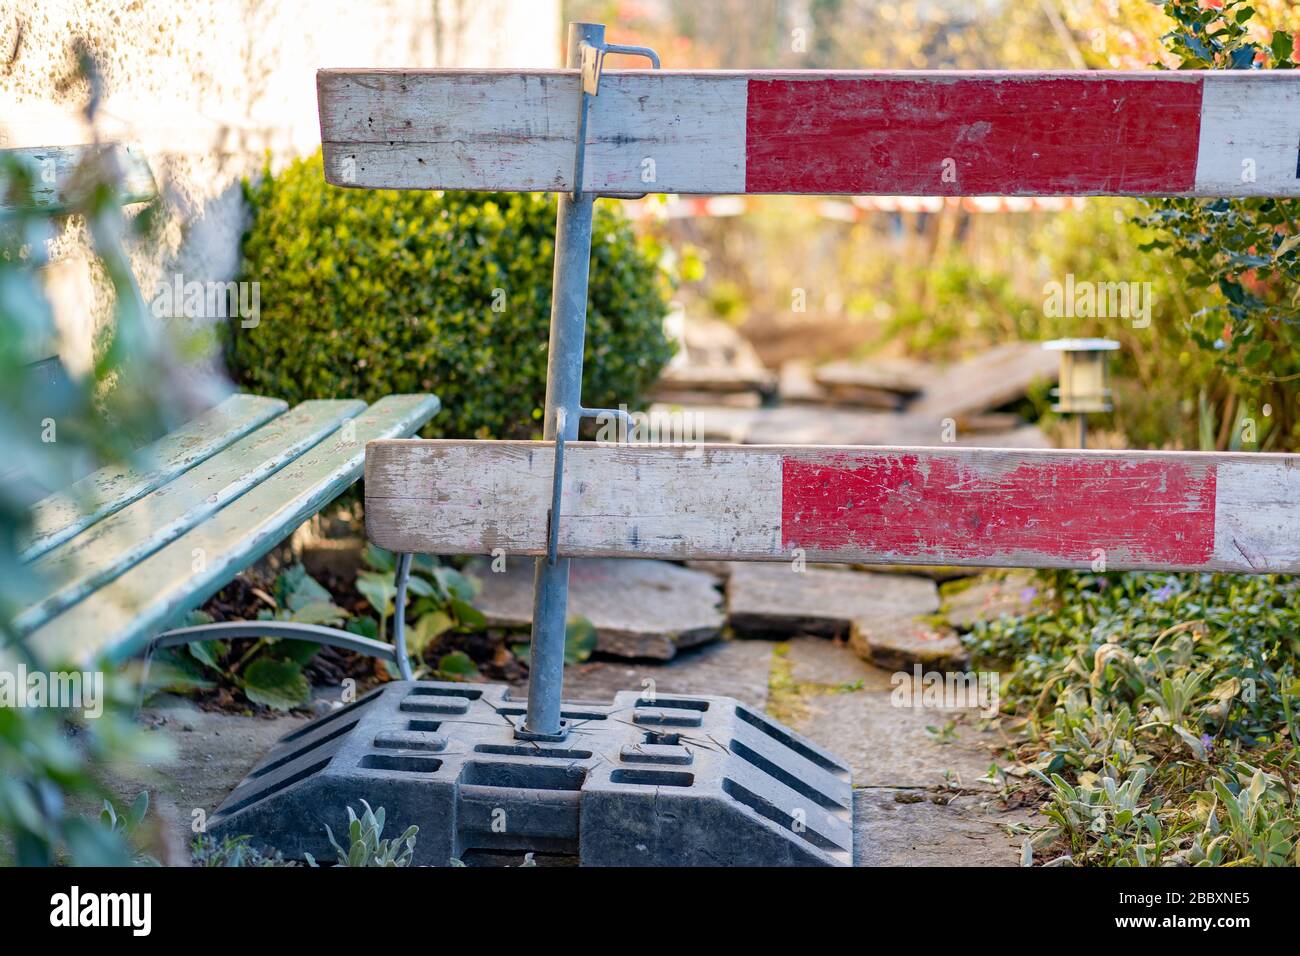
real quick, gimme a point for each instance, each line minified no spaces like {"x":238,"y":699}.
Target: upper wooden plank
{"x":968,"y":506}
{"x":67,"y":513}
{"x":120,"y":618}
{"x":923,"y":133}
{"x":59,"y":180}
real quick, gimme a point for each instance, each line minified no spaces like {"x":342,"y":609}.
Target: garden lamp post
{"x":1084,"y":380}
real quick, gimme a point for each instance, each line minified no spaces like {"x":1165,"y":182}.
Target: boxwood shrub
{"x":365,"y":293}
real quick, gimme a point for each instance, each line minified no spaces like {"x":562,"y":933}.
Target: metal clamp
{"x":593,"y":65}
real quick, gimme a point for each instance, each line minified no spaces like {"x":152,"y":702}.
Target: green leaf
{"x":377,"y":588}
{"x":276,"y":684}
{"x":1286,"y":245}
{"x":138,"y":809}
{"x":579,"y":640}
{"x":365,"y":626}
{"x":428,"y":629}
{"x":454,"y":584}
{"x":207,"y":652}
{"x":377,"y":559}
{"x":1281,"y":45}
{"x":457,"y":663}
{"x":468,"y":615}
{"x":299,"y":652}
{"x":319,"y":612}
{"x":295,"y":589}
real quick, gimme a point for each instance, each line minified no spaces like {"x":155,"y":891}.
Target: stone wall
{"x":212,"y":89}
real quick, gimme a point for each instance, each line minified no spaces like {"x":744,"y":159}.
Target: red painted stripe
{"x":1007,"y":134}
{"x":1151,"y":513}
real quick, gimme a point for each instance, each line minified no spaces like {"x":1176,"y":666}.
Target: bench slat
{"x":120,"y":618}
{"x":76,"y":568}
{"x":916,"y":133}
{"x":1186,"y":511}
{"x":55,"y":186}
{"x":67,"y":513}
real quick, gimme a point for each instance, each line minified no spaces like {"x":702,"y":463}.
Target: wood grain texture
{"x":516,"y":131}
{"x":74,"y":569}
{"x":67,"y":513}
{"x":927,"y":506}
{"x":916,"y":133}
{"x":119,"y":618}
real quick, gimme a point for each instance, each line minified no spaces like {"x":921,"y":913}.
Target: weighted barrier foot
{"x":668,"y":781}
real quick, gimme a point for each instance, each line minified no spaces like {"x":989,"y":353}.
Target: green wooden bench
{"x":127,"y":551}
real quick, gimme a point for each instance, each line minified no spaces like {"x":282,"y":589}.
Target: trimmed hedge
{"x":366,"y":293}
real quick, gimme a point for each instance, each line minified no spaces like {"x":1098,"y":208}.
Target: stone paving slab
{"x":736,"y":669}
{"x":898,"y":643}
{"x":886,"y":745}
{"x":771,"y":599}
{"x":991,"y":596}
{"x":894,"y":827}
{"x":639,"y":608}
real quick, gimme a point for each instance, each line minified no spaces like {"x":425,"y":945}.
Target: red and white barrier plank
{"x":1184,"y":511}
{"x":1230,"y":133}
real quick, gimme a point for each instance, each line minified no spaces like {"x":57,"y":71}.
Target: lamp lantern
{"x":1084,"y":379}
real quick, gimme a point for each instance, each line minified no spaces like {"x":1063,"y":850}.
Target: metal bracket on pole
{"x":564,"y":410}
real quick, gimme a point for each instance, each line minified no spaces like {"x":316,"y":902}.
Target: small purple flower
{"x":1028,"y":594}
{"x":1164,"y":593}
{"x":1207,"y":742}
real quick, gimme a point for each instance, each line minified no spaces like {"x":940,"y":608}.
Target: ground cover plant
{"x":1156,"y":716}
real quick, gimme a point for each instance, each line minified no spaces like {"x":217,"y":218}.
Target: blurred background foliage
{"x":379,"y":292}
{"x":55,"y":426}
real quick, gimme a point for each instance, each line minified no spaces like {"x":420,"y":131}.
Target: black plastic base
{"x":674,"y":781}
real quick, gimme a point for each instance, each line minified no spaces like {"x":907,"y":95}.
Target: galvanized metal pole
{"x":563,"y":406}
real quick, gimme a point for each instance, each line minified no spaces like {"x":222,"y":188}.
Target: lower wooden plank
{"x":120,"y":618}
{"x":63,"y":515}
{"x":76,"y":568}
{"x":871,"y":505}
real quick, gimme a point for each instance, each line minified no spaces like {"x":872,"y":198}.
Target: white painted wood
{"x":1250,"y":134}
{"x":1257,"y":514}
{"x":942,"y":506}
{"x":454,"y":497}
{"x":516,"y":130}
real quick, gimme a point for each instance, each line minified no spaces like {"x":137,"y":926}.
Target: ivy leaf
{"x":277,"y":684}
